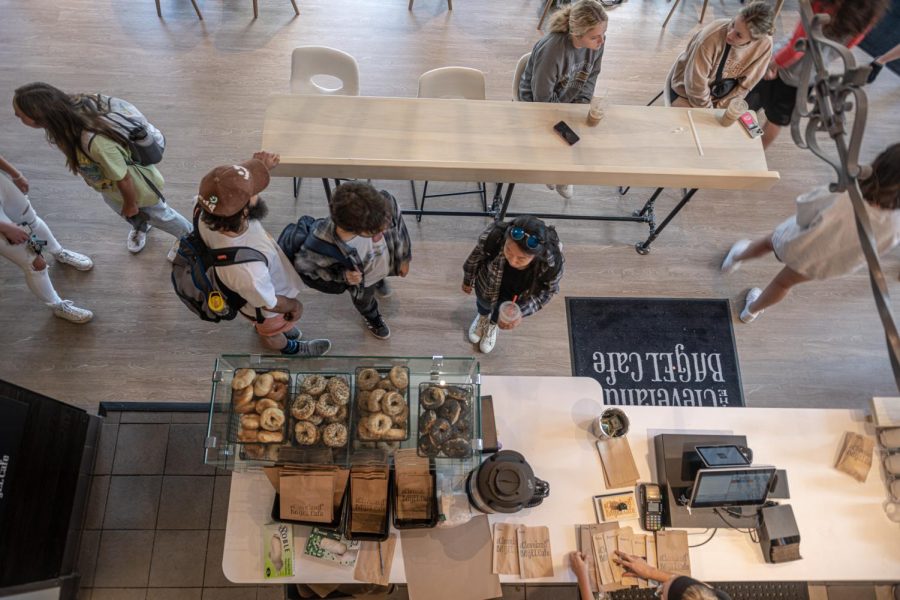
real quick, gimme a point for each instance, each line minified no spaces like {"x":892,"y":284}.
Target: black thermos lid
{"x":506,"y":481}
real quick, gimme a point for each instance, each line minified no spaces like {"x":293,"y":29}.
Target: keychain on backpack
{"x":216,"y":303}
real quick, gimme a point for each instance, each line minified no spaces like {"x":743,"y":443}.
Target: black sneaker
{"x":378,"y":328}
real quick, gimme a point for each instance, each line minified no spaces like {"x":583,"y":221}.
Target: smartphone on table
{"x":563,"y":129}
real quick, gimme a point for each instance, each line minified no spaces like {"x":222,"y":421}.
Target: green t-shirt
{"x":106,"y":165}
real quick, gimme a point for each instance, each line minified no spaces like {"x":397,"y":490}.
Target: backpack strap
{"x":319,"y":246}
{"x":494,"y":241}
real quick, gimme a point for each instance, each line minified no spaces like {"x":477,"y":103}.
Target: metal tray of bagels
{"x":446,"y":420}
{"x":320,"y":412}
{"x":381,"y":406}
{"x":258,"y":400}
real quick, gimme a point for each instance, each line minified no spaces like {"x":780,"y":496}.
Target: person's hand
{"x":771,"y":71}
{"x":404,"y":269}
{"x":130,"y":210}
{"x":504,"y":325}
{"x":353,"y":277}
{"x":467,"y":289}
{"x":270,"y":159}
{"x":22,"y":183}
{"x":634,"y":566}
{"x":578,"y":564}
{"x":15,"y":234}
{"x":296,"y":310}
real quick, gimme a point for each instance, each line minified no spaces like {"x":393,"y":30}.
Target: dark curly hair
{"x":359,"y":208}
{"x":852,"y":17}
{"x":882,"y":188}
{"x":534,"y":226}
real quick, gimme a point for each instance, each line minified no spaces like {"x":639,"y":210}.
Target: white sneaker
{"x":136,"y":241}
{"x":75,"y":260}
{"x":730,"y":264}
{"x":476,"y":329}
{"x":173,"y":251}
{"x":489,"y":339}
{"x":68,"y":311}
{"x":746,"y":315}
{"x":566,"y":191}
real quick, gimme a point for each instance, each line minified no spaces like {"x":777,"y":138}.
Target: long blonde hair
{"x":579,"y":18}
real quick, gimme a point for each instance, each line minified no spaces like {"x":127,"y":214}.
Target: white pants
{"x":16,"y":209}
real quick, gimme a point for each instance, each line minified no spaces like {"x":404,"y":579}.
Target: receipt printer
{"x":778,"y":534}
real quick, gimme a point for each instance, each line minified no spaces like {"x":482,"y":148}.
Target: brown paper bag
{"x":369,"y":564}
{"x":307,"y":496}
{"x":341,"y":477}
{"x":586,"y":545}
{"x":855,"y":457}
{"x":624,"y":540}
{"x":672,"y":552}
{"x":414,"y":496}
{"x":506,"y":549}
{"x":601,"y":559}
{"x":618,"y":462}
{"x":535,"y":559}
{"x":610,"y":539}
{"x":639,"y":548}
{"x":651,"y":553}
{"x":368,"y":498}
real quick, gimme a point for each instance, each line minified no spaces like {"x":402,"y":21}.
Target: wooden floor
{"x":206,"y":85}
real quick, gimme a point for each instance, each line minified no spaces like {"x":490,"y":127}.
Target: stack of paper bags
{"x":521,"y":550}
{"x":309,"y":493}
{"x":599,"y":542}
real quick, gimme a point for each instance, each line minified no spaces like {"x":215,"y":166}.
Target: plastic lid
{"x":506,"y":481}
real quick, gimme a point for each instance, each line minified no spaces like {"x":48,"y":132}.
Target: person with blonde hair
{"x":725,"y":59}
{"x":565,"y":63}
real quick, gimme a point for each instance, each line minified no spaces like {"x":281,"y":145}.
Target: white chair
{"x":517,"y":76}
{"x":311,"y":69}
{"x":451,"y":82}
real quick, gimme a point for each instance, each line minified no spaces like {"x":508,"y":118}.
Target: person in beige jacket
{"x":725,"y":59}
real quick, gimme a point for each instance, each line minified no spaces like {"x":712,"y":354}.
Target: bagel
{"x":253,"y":451}
{"x":440,"y":431}
{"x":265,"y":404}
{"x":379,"y":424}
{"x":280,"y":376}
{"x":334,"y":435}
{"x":248,"y":435}
{"x":367,"y":379}
{"x":386,"y":385}
{"x":339,"y":390}
{"x":303,"y":407}
{"x":263,"y":385}
{"x":395,"y":435}
{"x":306,"y":433}
{"x":362,"y":399}
{"x":450,"y":410}
{"x":427,"y":447}
{"x":374,"y":402}
{"x":271,"y":437}
{"x":432,"y":397}
{"x":325,"y":407}
{"x":279,"y":392}
{"x":399,"y":377}
{"x":457,"y":447}
{"x":243,"y":408}
{"x":243,"y":378}
{"x":249,"y":422}
{"x":313,"y":385}
{"x":272,"y":419}
{"x":315,"y":419}
{"x":392,"y":404}
{"x":340,"y":417}
{"x":242,"y":395}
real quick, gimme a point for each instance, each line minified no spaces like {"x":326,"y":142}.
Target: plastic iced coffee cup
{"x":736,"y":108}
{"x":510,"y":313}
{"x":595,"y":113}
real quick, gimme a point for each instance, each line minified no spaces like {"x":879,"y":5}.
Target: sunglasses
{"x":531,"y":241}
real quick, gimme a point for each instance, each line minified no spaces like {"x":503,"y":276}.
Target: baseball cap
{"x":227,"y":189}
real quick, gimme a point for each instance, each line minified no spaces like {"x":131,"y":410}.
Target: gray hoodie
{"x":557,"y":71}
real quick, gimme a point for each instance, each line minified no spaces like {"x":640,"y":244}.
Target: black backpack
{"x":296,"y":236}
{"x":195,"y":282}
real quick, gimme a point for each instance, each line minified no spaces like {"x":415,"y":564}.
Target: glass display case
{"x":229,"y":446}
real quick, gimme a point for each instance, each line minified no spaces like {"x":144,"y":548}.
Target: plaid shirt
{"x":485,"y":274}
{"x":328,"y":268}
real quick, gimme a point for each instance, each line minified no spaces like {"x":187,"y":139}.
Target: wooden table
{"x":342,"y":137}
{"x":845,"y":533}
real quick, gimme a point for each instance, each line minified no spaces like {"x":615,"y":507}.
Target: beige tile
{"x":96,"y":507}
{"x":119,"y":594}
{"x":214,"y":576}
{"x":87,"y":556}
{"x":220,"y":503}
{"x":106,"y":447}
{"x":232,"y":593}
{"x":185,"y":451}
{"x":174,"y":593}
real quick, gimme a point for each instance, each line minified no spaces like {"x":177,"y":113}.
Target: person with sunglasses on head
{"x":521,"y":262}
{"x":565,"y":63}
{"x":362,"y":243}
{"x":725,"y":59}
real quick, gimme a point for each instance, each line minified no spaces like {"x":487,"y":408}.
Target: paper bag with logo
{"x":307,"y":496}
{"x":506,"y":550}
{"x":672,"y":553}
{"x":414,"y":496}
{"x":855,"y":457}
{"x":535,"y":559}
{"x":368,"y":498}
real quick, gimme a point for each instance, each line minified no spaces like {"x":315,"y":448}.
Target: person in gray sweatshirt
{"x":565,"y":63}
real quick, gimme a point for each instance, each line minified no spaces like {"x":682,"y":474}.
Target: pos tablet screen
{"x":722,"y":456}
{"x":731,"y":486}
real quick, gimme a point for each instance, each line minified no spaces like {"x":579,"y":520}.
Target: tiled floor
{"x":155,"y":522}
